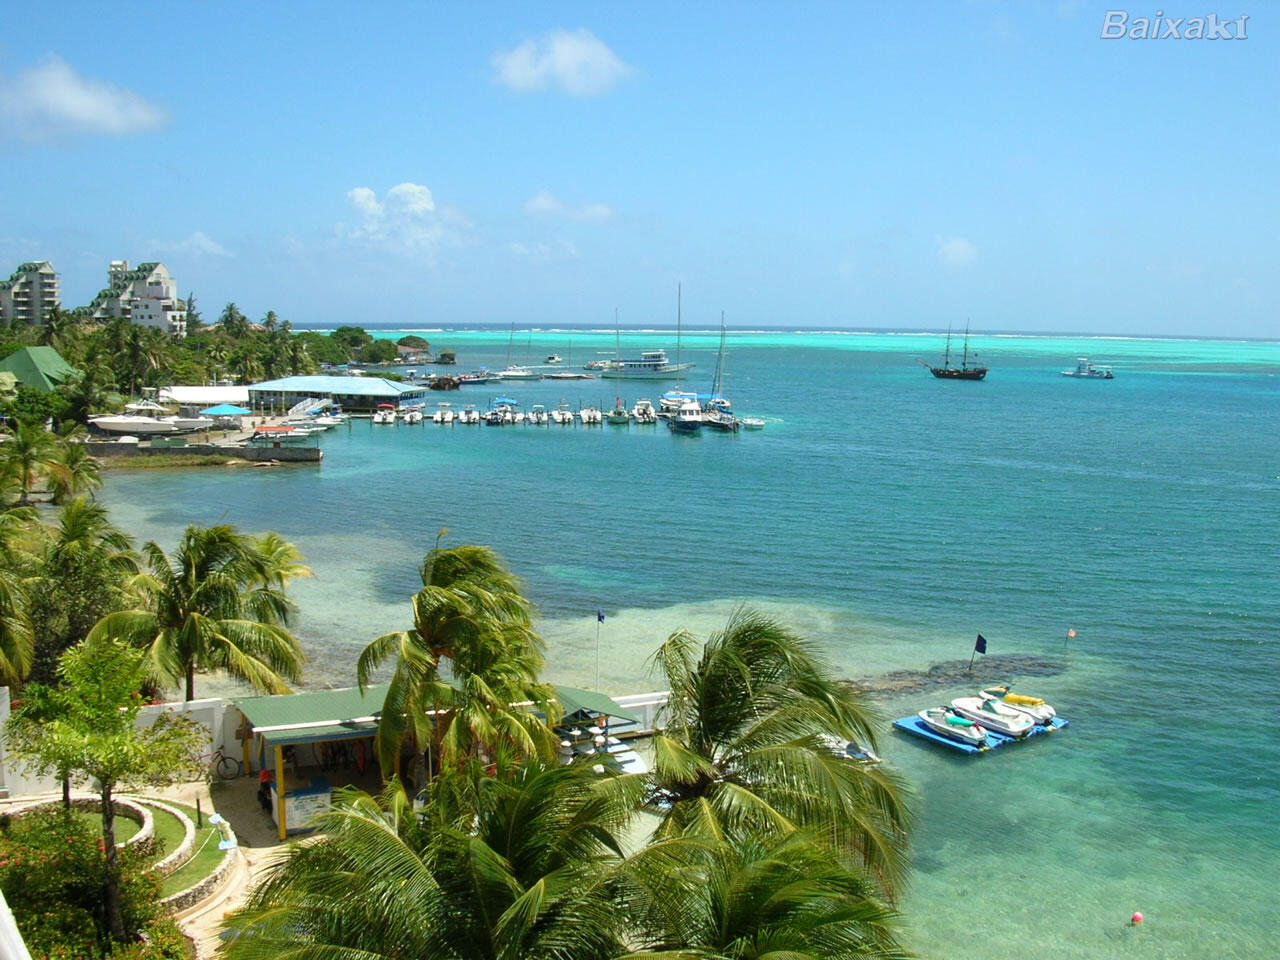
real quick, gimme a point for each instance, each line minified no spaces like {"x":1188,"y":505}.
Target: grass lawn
{"x":125,"y":828}
{"x":205,"y":855}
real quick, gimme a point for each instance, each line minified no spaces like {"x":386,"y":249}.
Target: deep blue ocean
{"x":890,"y":517}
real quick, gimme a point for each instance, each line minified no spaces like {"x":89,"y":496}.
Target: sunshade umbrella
{"x":225,"y":410}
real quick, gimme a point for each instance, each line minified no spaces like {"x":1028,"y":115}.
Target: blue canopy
{"x":225,"y":410}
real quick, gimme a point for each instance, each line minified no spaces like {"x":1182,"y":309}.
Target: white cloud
{"x":51,"y":100}
{"x":201,"y":243}
{"x":405,"y":219}
{"x":956,"y":251}
{"x":546,"y":204}
{"x":544,"y":251}
{"x":576,"y":63}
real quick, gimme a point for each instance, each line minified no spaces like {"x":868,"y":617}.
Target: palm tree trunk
{"x":191,"y":682}
{"x":111,"y":883}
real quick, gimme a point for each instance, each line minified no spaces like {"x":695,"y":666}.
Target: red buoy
{"x":1136,"y":919}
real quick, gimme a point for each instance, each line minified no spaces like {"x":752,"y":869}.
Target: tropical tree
{"x":745,"y":745}
{"x":470,"y":656}
{"x":87,"y":728}
{"x":754,"y":896}
{"x":81,"y":567}
{"x":30,"y":454}
{"x":16,"y":643}
{"x":217,"y":604}
{"x":516,"y":866}
{"x":79,"y":472}
{"x":234,"y":323}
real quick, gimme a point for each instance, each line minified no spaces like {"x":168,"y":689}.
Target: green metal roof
{"x":40,"y":367}
{"x":585,"y":701}
{"x":321,"y":706}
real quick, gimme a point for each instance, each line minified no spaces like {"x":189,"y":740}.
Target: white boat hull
{"x":133,"y":425}
{"x":994,"y":715}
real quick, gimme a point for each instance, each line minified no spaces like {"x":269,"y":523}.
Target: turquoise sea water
{"x":890,"y":517}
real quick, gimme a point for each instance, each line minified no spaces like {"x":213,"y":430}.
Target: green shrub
{"x":52,"y":870}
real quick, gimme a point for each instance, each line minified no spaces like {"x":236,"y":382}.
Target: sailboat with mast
{"x":651,"y":364}
{"x":516,"y":371}
{"x":963,"y":372}
{"x":717,"y":413}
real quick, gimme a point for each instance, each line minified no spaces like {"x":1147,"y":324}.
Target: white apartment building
{"x":29,"y":295}
{"x":146,"y":294}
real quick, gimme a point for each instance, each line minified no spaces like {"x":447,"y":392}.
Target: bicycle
{"x":224,"y":766}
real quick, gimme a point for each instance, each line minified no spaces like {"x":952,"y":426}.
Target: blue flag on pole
{"x":981,"y":645}
{"x":599,"y":616}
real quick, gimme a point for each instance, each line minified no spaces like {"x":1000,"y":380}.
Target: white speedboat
{"x":553,"y":358}
{"x":946,"y":722}
{"x":386,"y":413}
{"x":994,"y":715}
{"x":538,"y":415}
{"x":591,"y":415}
{"x":847,"y":748}
{"x":469,"y":415}
{"x":132,"y":424}
{"x":443,"y":413}
{"x":1034,"y":707}
{"x":1087,"y":370}
{"x":413,"y":414}
{"x":643,"y":412}
{"x":751,"y":423}
{"x":562,"y":414}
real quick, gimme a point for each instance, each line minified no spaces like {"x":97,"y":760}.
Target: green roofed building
{"x":41,"y":368}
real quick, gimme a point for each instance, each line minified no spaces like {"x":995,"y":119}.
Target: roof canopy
{"x":41,"y":368}
{"x":225,"y":410}
{"x":585,"y":701}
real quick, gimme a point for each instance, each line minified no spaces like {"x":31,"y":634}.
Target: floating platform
{"x":914,"y":725}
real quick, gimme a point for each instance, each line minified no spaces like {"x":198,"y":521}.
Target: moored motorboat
{"x":948,"y":723}
{"x":1087,"y":370}
{"x":1034,"y":707}
{"x":619,"y":415}
{"x":994,"y":715}
{"x":687,"y":418}
{"x":643,"y":412}
{"x":386,"y":413}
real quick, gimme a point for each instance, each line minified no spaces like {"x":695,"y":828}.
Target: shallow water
{"x":890,"y":517}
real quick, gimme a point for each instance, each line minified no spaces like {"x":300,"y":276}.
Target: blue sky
{"x":798,"y":164}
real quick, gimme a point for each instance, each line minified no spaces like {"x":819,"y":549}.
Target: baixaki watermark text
{"x":1116,"y":25}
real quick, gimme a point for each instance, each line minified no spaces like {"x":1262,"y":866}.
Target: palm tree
{"x":745,"y":747}
{"x":217,"y":604}
{"x":16,"y":644}
{"x":30,"y":453}
{"x":80,"y":472}
{"x":470,"y":617}
{"x":83,"y":564}
{"x":754,"y":896}
{"x":512,"y":866}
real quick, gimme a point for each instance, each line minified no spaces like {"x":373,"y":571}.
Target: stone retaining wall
{"x":186,"y":899}
{"x":144,"y":839}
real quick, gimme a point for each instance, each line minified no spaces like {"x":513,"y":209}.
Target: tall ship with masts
{"x":965,"y":371}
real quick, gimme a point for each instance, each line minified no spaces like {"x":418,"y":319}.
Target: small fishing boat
{"x":1086,"y":370}
{"x":562,"y":414}
{"x":751,"y":423}
{"x":643,"y":412}
{"x":386,"y":413}
{"x":554,"y":358}
{"x":538,"y":415}
{"x":413,"y":414}
{"x":948,"y":723}
{"x":687,"y":418}
{"x":469,"y":415}
{"x":443,"y":414}
{"x":1034,"y":707}
{"x":994,"y":715}
{"x":591,"y":415}
{"x":483,"y":375}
